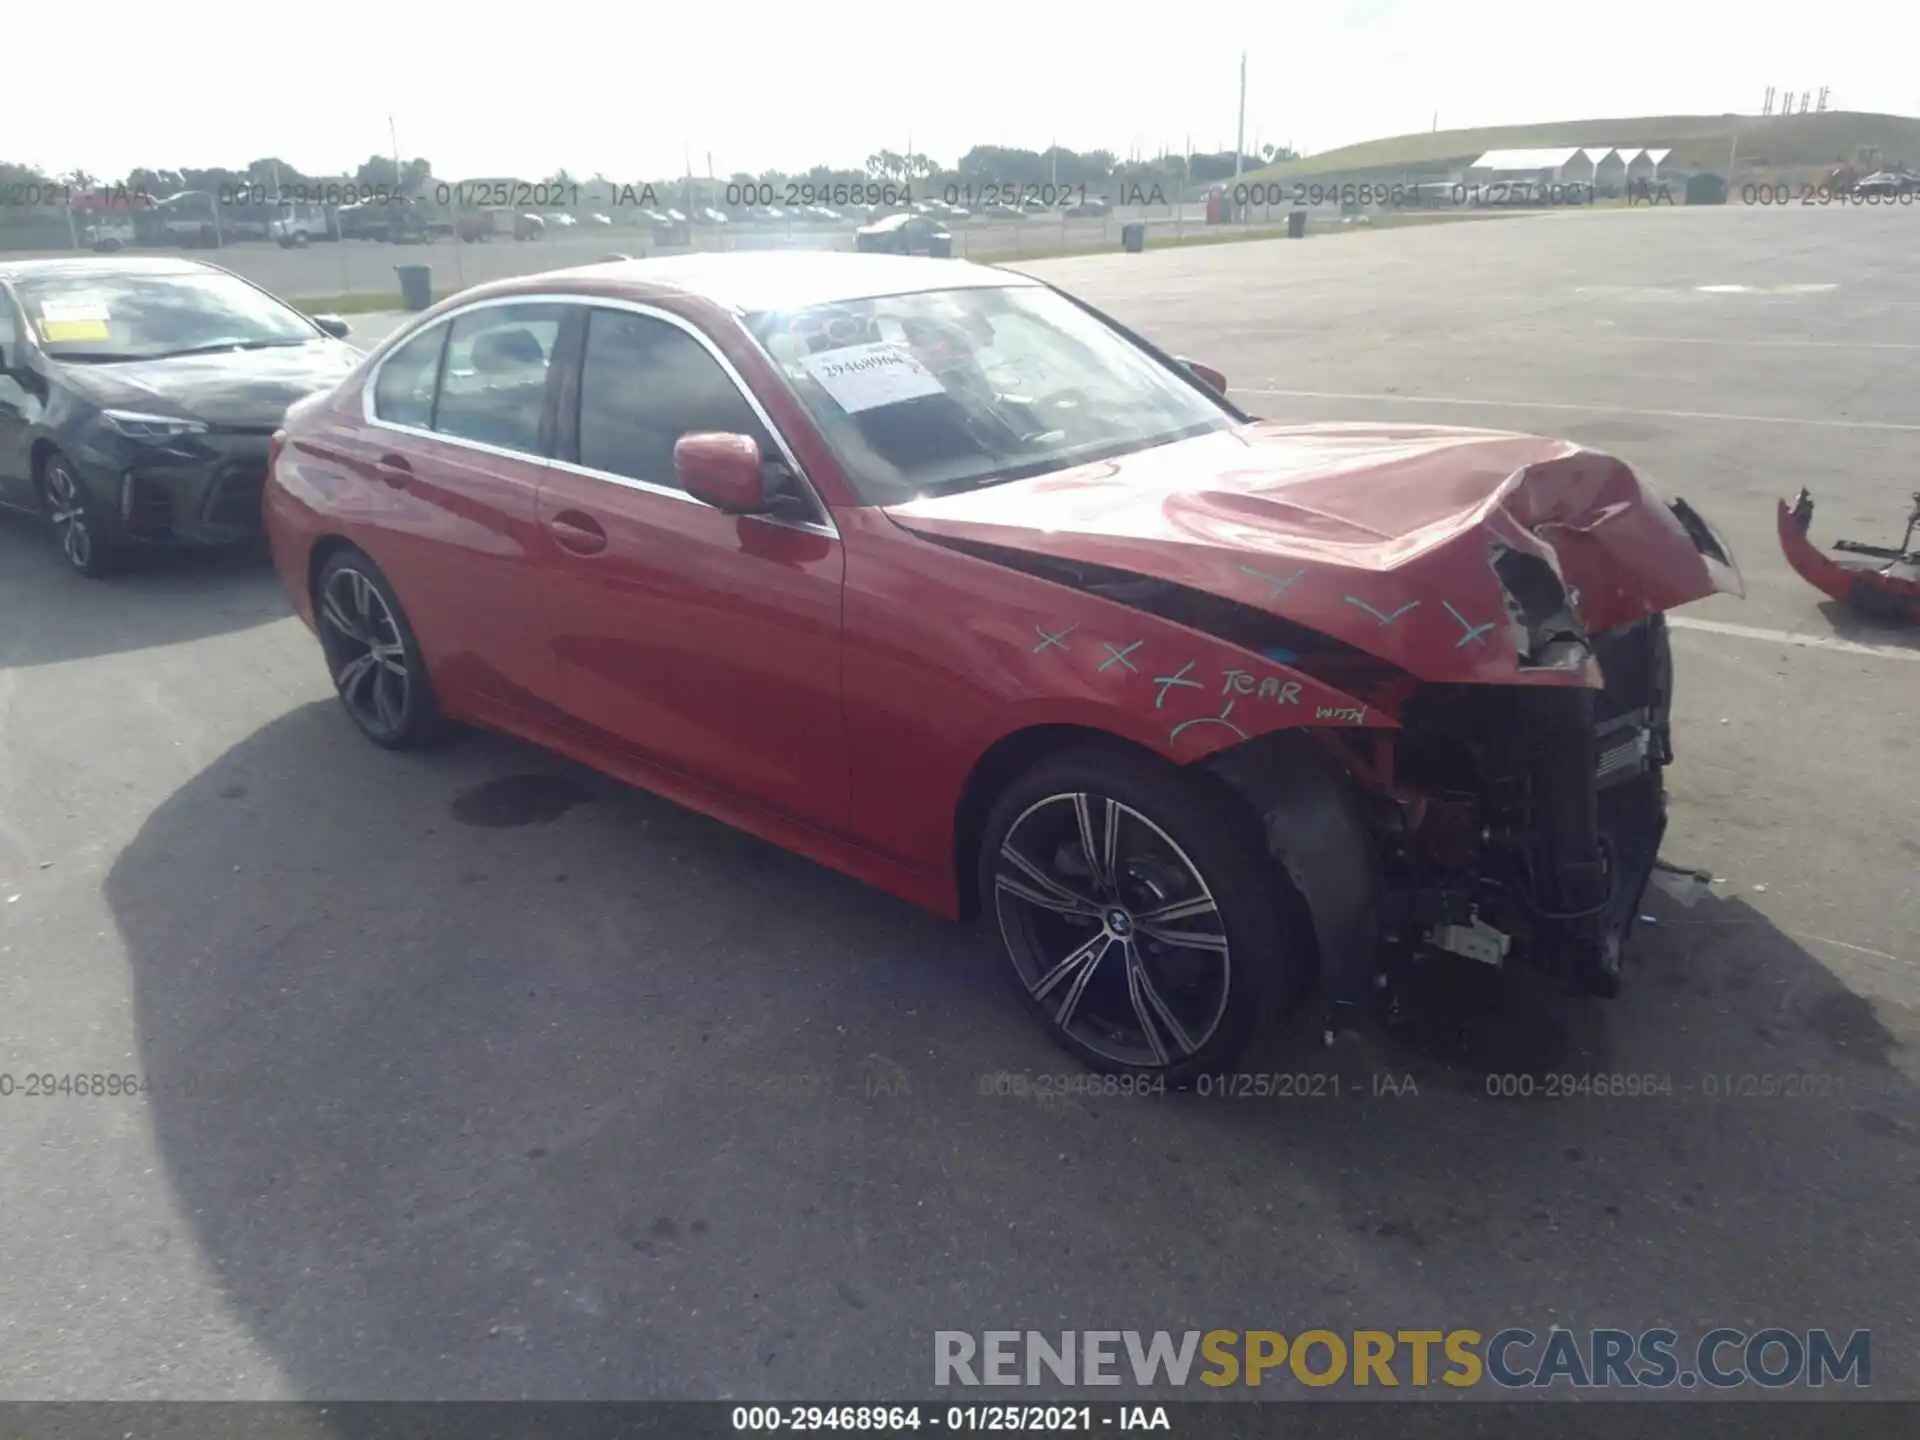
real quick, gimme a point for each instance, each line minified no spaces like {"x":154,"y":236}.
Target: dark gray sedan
{"x":138,"y":395}
{"x":905,"y":235}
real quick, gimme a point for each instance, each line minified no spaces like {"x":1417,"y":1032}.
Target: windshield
{"x":953,"y":389}
{"x":94,"y":316}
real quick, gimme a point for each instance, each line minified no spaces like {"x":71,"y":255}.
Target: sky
{"x":491,"y":87}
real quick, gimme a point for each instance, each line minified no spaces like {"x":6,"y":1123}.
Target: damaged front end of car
{"x":1500,"y":824}
{"x":1521,"y":822}
{"x":1528,"y":819}
{"x":1496,"y":603}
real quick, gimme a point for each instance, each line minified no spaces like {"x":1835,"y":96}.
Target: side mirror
{"x":333,"y":325}
{"x":723,"y":470}
{"x":1205,"y":374}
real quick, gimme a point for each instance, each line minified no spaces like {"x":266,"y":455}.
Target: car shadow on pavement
{"x":49,"y":614}
{"x":1850,"y":624}
{"x":482,"y":1076}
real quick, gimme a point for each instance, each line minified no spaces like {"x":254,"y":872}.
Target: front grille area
{"x":1626,"y":747}
{"x":147,"y":508}
{"x":1634,"y":709}
{"x":1560,"y":799}
{"x":234,"y":498}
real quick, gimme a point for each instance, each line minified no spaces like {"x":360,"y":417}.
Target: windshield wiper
{"x":227,"y":345}
{"x":995,"y":477}
{"x":1061,"y":460}
{"x":94,"y":357}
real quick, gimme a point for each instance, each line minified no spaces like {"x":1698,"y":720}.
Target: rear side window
{"x":643,"y":384}
{"x":403,"y":395}
{"x":493,"y":387}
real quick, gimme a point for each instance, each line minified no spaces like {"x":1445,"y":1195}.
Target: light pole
{"x":1240,"y":134}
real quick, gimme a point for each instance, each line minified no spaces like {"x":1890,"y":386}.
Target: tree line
{"x":382,"y":174}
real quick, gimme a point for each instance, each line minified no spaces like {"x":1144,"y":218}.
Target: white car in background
{"x":108,"y":236}
{"x":297,"y":224}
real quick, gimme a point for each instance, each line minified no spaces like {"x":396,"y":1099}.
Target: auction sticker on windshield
{"x":865,"y":377}
{"x":71,"y":318}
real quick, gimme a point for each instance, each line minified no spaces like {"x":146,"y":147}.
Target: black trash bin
{"x":1133,"y":236}
{"x":1296,"y":224}
{"x":416,"y":286}
{"x":1706,"y":190}
{"x":940,"y":246}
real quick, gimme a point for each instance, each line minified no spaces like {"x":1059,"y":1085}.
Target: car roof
{"x":749,"y":280}
{"x":81,"y":266}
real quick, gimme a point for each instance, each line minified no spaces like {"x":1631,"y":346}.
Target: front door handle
{"x":395,"y":471}
{"x":578,"y":532}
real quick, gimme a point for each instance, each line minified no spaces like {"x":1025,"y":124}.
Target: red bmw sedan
{"x":935,"y":574}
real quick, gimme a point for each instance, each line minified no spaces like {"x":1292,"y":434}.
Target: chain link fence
{"x":347,"y":255}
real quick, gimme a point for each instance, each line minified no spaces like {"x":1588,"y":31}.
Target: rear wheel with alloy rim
{"x":78,"y":528}
{"x":1140,"y":911}
{"x":373,"y":655}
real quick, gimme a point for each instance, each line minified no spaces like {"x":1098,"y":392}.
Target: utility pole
{"x":394,"y":139}
{"x":1240,"y":135}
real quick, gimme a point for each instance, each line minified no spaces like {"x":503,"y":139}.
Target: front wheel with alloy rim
{"x":1145,"y":922}
{"x":373,"y":655}
{"x":78,"y":527}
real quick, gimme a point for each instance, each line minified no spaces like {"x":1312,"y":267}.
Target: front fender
{"x":948,"y":654}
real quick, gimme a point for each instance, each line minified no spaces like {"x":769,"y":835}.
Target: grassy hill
{"x":1697,"y":142}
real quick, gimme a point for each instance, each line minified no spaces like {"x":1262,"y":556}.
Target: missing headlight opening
{"x":1547,"y":635}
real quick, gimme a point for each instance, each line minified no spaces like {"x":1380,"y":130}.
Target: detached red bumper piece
{"x":1889,"y":590}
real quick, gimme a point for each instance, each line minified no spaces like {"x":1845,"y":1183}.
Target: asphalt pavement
{"x":478,"y":1075}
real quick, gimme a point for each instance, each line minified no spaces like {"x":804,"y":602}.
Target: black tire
{"x":1144,"y":1003}
{"x":81,"y":529}
{"x":372,"y":654}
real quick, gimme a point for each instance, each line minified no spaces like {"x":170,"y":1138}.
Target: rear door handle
{"x":578,"y":532}
{"x":395,"y":471}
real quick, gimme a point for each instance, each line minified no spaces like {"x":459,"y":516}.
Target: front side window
{"x":493,"y":384}
{"x":403,"y":395}
{"x":643,"y":384}
{"x":949,"y":390}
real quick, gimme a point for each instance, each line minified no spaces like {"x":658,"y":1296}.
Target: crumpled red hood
{"x":1381,"y":536}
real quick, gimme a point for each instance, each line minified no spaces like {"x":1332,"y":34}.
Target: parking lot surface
{"x":476,"y":1075}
